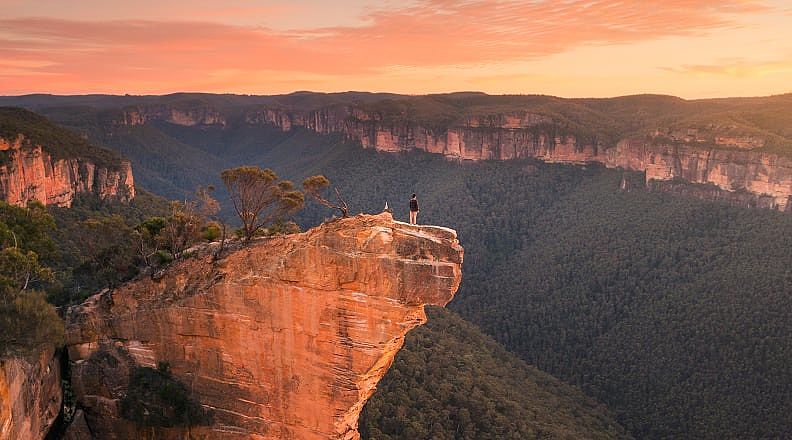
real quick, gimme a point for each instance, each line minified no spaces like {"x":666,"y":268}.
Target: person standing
{"x":414,"y":210}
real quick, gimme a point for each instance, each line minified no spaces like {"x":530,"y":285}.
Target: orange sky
{"x":689,"y":48}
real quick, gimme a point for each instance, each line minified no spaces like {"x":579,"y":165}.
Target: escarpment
{"x":285,"y":338}
{"x":765,"y":177}
{"x":186,"y":116}
{"x":514,"y":135}
{"x":32,"y":174}
{"x":742,"y":148}
{"x":40,"y":161}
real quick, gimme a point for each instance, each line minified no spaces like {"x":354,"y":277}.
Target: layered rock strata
{"x":283,"y":339}
{"x":727,"y":162}
{"x":29,"y":173}
{"x":189,"y":116}
{"x":523,"y":135}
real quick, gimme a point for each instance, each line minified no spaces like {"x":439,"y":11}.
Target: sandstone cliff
{"x":30,"y":173}
{"x":525,"y":134}
{"x":30,"y":396}
{"x":187,"y":116}
{"x":283,"y":339}
{"x":714,"y":154}
{"x":48,"y":163}
{"x":765,"y":177}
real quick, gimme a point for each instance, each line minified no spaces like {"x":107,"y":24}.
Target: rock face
{"x":30,"y":396}
{"x":767,"y":178}
{"x":499,"y":136}
{"x":283,"y":339}
{"x":30,"y":173}
{"x":715,"y":155}
{"x":522,"y":135}
{"x":190,"y":116}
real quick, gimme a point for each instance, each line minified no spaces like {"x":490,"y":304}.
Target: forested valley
{"x":672,"y":311}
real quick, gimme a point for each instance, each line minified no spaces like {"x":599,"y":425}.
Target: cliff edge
{"x":284,"y":338}
{"x":40,"y":161}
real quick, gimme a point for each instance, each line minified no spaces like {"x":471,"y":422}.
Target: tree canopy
{"x":27,"y":321}
{"x":260,"y":197}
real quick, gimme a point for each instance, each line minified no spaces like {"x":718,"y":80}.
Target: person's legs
{"x":413,"y":217}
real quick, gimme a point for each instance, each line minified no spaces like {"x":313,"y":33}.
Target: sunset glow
{"x":690,"y":48}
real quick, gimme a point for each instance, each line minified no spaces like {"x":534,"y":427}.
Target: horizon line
{"x":406,"y":95}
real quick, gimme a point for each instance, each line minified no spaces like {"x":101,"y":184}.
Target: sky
{"x":570,"y":48}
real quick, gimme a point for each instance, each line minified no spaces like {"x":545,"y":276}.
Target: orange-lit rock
{"x":30,"y":396}
{"x":496,"y":136}
{"x":515,"y":135}
{"x":29,"y":173}
{"x":283,"y":339}
{"x":764,"y":175}
{"x":711,"y":155}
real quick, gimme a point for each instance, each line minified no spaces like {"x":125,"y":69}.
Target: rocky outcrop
{"x":283,"y":339}
{"x":30,"y":395}
{"x":29,"y":172}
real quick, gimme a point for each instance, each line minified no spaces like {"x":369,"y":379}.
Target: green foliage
{"x":85,"y":206}
{"x":101,"y":243}
{"x":55,"y":140}
{"x":28,"y":229}
{"x":182,"y":228}
{"x":152,"y":225}
{"x":27,"y":322}
{"x":672,"y":311}
{"x":260,"y":197}
{"x":211,"y":231}
{"x":21,"y":269}
{"x":157,"y":399}
{"x":97,"y":252}
{"x":315,"y":185}
{"x":449,"y":381}
{"x":163,"y":257}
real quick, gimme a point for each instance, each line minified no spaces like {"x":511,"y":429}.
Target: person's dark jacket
{"x":413,"y":205}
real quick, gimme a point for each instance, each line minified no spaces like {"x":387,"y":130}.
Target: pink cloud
{"x":739,"y":68}
{"x":84,"y":55}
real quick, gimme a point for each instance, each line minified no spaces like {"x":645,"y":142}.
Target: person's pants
{"x":413,"y":217}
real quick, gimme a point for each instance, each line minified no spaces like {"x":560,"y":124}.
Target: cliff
{"x":515,"y":135}
{"x":30,"y":396}
{"x":760,"y":179}
{"x":44,"y":162}
{"x":185,"y":115}
{"x":740,"y":146}
{"x":285,"y":338}
{"x":31,"y":173}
